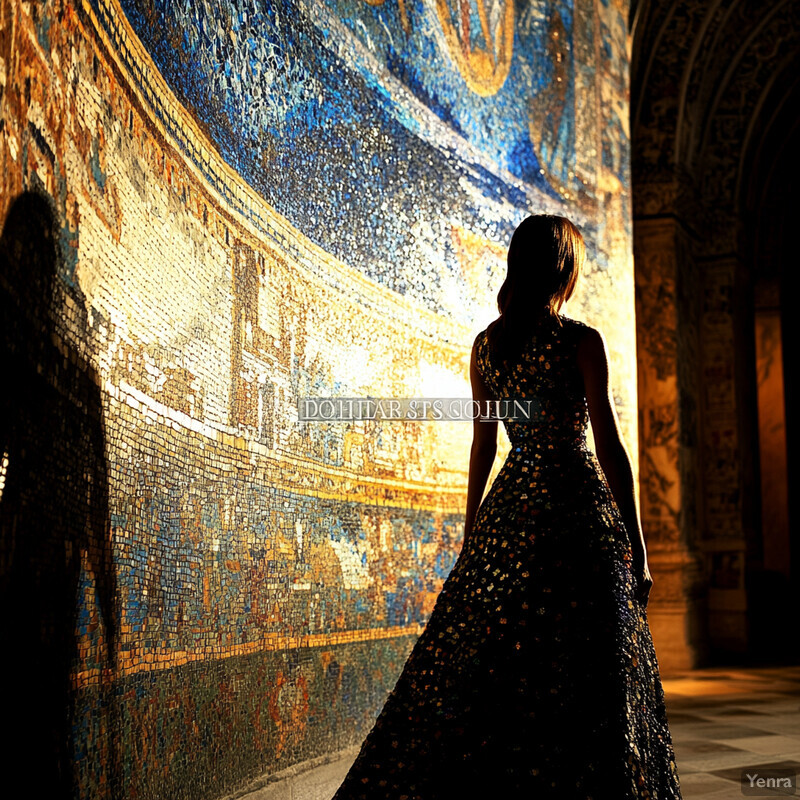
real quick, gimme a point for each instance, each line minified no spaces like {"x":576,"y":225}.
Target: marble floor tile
{"x":726,"y":722}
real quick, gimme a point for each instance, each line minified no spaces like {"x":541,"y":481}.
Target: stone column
{"x":666,"y":308}
{"x":730,"y":541}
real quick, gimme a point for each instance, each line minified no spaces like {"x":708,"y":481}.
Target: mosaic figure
{"x":481,"y":51}
{"x":536,"y":671}
{"x":551,"y":121}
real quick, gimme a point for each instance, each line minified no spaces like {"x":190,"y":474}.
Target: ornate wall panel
{"x":711,"y":84}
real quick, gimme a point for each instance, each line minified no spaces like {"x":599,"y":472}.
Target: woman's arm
{"x":484,"y":448}
{"x":611,"y":452}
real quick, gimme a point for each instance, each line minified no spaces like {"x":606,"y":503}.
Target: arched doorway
{"x":713,"y":155}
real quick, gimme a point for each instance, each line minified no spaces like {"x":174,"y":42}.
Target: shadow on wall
{"x":57,"y":581}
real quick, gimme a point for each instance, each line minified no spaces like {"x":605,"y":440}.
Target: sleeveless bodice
{"x":547,"y":373}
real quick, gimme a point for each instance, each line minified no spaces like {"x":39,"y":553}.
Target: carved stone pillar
{"x":667,"y":306}
{"x":728,"y":413}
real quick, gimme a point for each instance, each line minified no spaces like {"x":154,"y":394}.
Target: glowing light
{"x":3,"y":473}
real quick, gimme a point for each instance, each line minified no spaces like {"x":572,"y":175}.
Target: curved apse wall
{"x":255,"y":201}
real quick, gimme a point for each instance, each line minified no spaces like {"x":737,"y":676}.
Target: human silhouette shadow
{"x":54,"y":514}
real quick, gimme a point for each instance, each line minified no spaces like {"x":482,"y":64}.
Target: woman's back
{"x":546,"y":371}
{"x":551,"y":481}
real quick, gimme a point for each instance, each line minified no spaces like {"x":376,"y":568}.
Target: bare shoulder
{"x":478,"y":341}
{"x":488,"y":329}
{"x":477,"y":354}
{"x":590,"y":341}
{"x":591,"y":353}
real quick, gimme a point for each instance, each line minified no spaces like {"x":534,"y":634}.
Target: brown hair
{"x":544,"y":260}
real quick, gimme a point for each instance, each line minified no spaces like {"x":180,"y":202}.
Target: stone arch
{"x":711,"y":84}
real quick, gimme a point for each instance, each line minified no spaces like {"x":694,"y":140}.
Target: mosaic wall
{"x":211,"y":209}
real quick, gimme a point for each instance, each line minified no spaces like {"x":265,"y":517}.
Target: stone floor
{"x":723,"y":720}
{"x":726,"y":720}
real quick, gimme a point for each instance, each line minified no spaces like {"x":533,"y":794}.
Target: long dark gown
{"x":535,"y":676}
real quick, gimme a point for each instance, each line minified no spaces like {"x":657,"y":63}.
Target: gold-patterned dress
{"x":535,"y":676}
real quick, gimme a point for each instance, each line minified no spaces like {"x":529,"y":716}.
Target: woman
{"x":535,"y":676}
